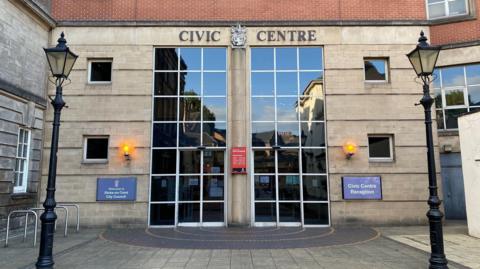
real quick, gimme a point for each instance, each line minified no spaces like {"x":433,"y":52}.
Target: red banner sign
{"x":239,"y":160}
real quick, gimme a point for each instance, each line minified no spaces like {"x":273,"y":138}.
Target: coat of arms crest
{"x":239,"y":36}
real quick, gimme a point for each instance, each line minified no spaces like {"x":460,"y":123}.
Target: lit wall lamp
{"x":126,"y":152}
{"x":350,"y":149}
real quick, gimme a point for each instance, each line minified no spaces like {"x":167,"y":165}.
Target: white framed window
{"x":100,"y":71}
{"x":375,"y":69}
{"x":95,"y":149}
{"x":380,"y":148}
{"x":438,"y":9}
{"x":21,"y":161}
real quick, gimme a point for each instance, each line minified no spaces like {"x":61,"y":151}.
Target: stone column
{"x":238,"y":98}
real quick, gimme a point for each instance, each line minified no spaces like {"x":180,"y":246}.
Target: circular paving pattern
{"x":240,"y":238}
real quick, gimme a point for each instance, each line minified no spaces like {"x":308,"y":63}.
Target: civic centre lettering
{"x":362,"y":188}
{"x":117,"y":189}
{"x":238,"y":36}
{"x":198,"y":36}
{"x":287,"y":35}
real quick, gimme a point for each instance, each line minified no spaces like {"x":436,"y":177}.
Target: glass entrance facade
{"x":289,"y":181}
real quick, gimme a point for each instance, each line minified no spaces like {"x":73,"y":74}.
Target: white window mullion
{"x":21,"y":161}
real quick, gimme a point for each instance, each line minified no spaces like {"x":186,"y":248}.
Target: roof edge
{"x":37,"y":10}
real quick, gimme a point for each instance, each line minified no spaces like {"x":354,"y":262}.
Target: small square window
{"x":376,"y":70}
{"x":380,"y":147}
{"x":96,"y":149}
{"x":100,"y":71}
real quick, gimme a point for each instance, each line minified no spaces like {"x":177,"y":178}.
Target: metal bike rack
{"x":26,"y":212}
{"x":78,"y":213}
{"x":57,"y":207}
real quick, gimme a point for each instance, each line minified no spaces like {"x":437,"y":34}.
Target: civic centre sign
{"x":117,"y":189}
{"x":362,"y":188}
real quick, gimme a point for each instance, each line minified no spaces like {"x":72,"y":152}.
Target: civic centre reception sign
{"x":362,"y":188}
{"x":117,"y":189}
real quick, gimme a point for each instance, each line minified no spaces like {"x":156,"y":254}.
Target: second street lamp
{"x":423,"y":59}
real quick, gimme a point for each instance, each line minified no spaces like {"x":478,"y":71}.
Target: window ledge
{"x":87,"y":162}
{"x":459,"y":18}
{"x":377,"y":84}
{"x":106,"y":83}
{"x":22,"y":195}
{"x":447,"y":132}
{"x":380,"y":160}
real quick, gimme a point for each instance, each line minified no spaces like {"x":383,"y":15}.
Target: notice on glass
{"x":239,"y":160}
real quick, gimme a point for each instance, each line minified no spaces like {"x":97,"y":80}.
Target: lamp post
{"x":60,"y":60}
{"x":423,"y":59}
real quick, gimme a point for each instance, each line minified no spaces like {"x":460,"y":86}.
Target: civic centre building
{"x":212,"y":113}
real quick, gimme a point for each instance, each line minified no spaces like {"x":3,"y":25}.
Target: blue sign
{"x":117,"y":189}
{"x":362,"y":188}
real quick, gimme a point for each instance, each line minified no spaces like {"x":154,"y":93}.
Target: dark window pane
{"x":101,"y":71}
{"x":263,"y":109}
{"x":164,"y":134}
{"x":166,"y":83}
{"x":164,"y":161}
{"x":190,"y":58}
{"x":264,"y":187}
{"x":289,"y":212}
{"x":310,"y":58}
{"x":286,"y":59}
{"x":474,"y":95}
{"x":264,"y":161}
{"x":262,"y":58}
{"x":313,"y":161}
{"x":311,"y":108}
{"x":375,"y":69}
{"x":287,"y":134}
{"x":313,"y":134}
{"x":190,"y":83}
{"x":438,"y":98}
{"x":213,"y":188}
{"x":265,"y":212}
{"x":162,"y":214}
{"x":287,"y":108}
{"x":451,"y":117}
{"x":163,"y":189}
{"x":166,"y":59}
{"x":473,"y":74}
{"x":440,"y":123}
{"x":214,"y":109}
{"x":287,"y":83}
{"x":214,"y":83}
{"x":213,"y":212}
{"x":454,"y":97}
{"x":189,"y":188}
{"x":315,"y":188}
{"x":214,"y":134}
{"x":453,"y":76}
{"x":289,"y":187}
{"x":263,"y":134}
{"x":190,"y":109}
{"x":262,"y":83}
{"x":306,"y":83}
{"x":213,"y":161}
{"x":165,"y":109}
{"x":214,"y":58}
{"x":189,"y":162}
{"x":189,"y":135}
{"x":189,"y":212}
{"x":97,"y":148}
{"x":379,"y":147}
{"x":315,"y":214}
{"x":288,"y":161}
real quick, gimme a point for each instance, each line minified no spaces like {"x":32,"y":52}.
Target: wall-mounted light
{"x":126,"y":152}
{"x":350,"y":149}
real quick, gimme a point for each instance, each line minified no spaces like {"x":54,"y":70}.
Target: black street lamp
{"x":423,"y":59}
{"x":61,"y":60}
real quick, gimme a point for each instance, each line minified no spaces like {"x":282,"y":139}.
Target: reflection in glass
{"x":262,"y":83}
{"x":306,"y":79}
{"x":189,"y":109}
{"x":288,"y":161}
{"x":189,"y":188}
{"x":262,"y":58}
{"x":375,"y":69}
{"x":315,"y":188}
{"x":436,"y":10}
{"x":165,"y":83}
{"x":214,"y":134}
{"x":311,"y":108}
{"x":164,"y":134}
{"x":457,"y":7}
{"x":214,"y":83}
{"x":474,"y":95}
{"x":454,"y":97}
{"x":166,"y":59}
{"x":264,"y":187}
{"x":289,"y":212}
{"x":287,"y":109}
{"x":163,"y":188}
{"x":189,"y":135}
{"x":213,"y":187}
{"x":287,"y":83}
{"x":287,"y":134}
{"x":214,"y":58}
{"x":190,"y":83}
{"x":189,"y":212}
{"x":214,"y":109}
{"x":315,"y":214}
{"x":189,"y":162}
{"x":453,"y":76}
{"x":286,"y":59}
{"x":162,"y":214}
{"x":289,"y":187}
{"x":213,"y":212}
{"x":263,"y":134}
{"x":265,"y":212}
{"x":163,"y":161}
{"x":213,"y":161}
{"x":310,"y":58}
{"x":451,"y":117}
{"x":264,"y":161}
{"x":192,"y":58}
{"x":313,"y":134}
{"x":439,"y":118}
{"x":263,"y":109}
{"x":438,"y":97}
{"x":313,"y":161}
{"x":473,"y":74}
{"x":165,"y":109}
